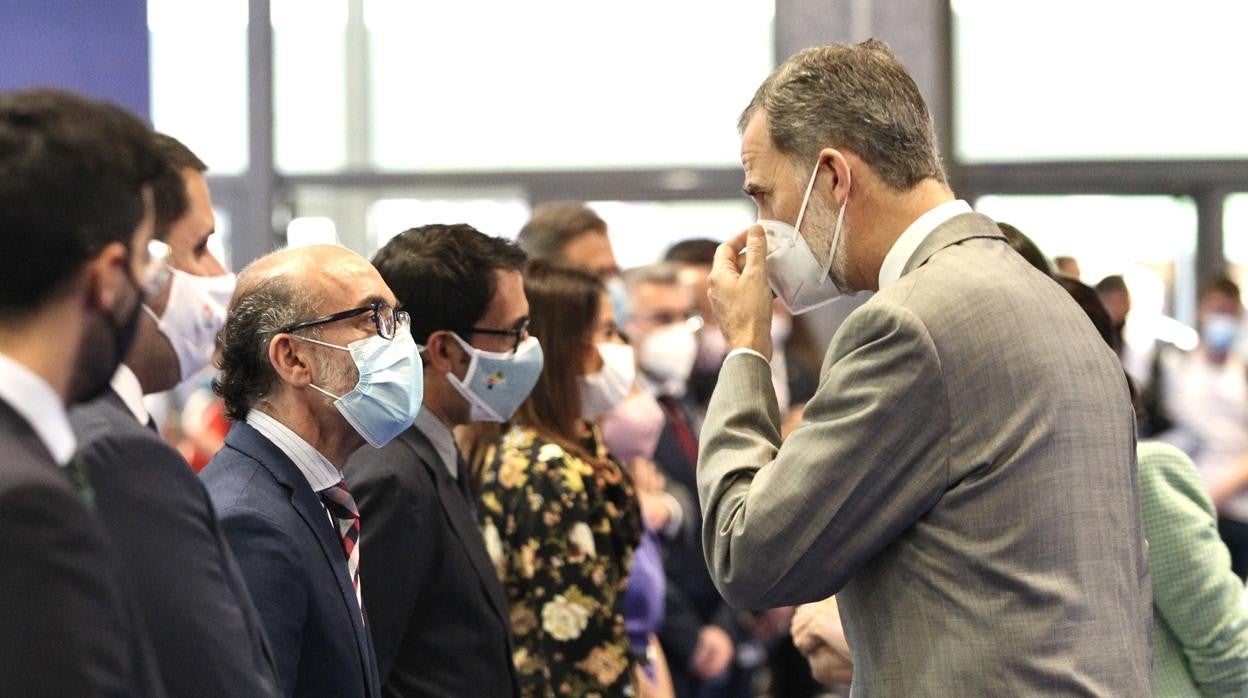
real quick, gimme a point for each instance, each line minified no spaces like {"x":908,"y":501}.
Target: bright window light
{"x":499,"y":213}
{"x":641,"y":231}
{"x":309,"y":85}
{"x":311,"y":230}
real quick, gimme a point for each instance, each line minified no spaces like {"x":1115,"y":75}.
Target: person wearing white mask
{"x":207,"y":636}
{"x":972,"y":438}
{"x":316,"y":361}
{"x":439,"y":617}
{"x":1206,"y":394}
{"x":560,"y":515}
{"x":663,"y":325}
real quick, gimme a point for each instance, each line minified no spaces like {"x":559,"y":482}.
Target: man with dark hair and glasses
{"x":440,"y":617}
{"x":315,"y":362}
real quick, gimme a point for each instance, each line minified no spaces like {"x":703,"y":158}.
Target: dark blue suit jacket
{"x":292,"y":560}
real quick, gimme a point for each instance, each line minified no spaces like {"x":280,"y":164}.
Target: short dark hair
{"x":169,"y":193}
{"x":444,"y":275}
{"x":1026,"y":247}
{"x":256,"y":314}
{"x":554,"y":225}
{"x":1113,"y":283}
{"x":72,"y":175}
{"x":1091,"y":304}
{"x":698,"y":252}
{"x":1220,"y":283}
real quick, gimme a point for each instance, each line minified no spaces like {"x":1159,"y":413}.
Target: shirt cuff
{"x":745,"y":350}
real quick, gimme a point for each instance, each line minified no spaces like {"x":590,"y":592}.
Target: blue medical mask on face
{"x":388,"y":395}
{"x":617,"y":291}
{"x":1219,"y":332}
{"x":498,"y":382}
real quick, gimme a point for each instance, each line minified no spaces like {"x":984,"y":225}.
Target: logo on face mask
{"x":793,"y":271}
{"x":497,"y":383}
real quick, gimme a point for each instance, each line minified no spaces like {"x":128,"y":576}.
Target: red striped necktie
{"x":341,"y":506}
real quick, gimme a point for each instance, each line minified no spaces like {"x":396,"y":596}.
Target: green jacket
{"x":1200,"y":630}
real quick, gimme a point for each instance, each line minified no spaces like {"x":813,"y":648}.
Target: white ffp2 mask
{"x":193,"y":316}
{"x":793,"y":271}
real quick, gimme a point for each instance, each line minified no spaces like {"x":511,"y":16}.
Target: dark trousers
{"x":1235,"y":535}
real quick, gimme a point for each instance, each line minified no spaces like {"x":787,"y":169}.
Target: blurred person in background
{"x":914,"y":391}
{"x":205,"y":631}
{"x":560,"y":514}
{"x":571,"y":234}
{"x":1114,"y":295}
{"x":694,"y":258}
{"x":1206,"y":393}
{"x":76,"y":216}
{"x":697,"y":635}
{"x":315,"y":362}
{"x":438,"y":613}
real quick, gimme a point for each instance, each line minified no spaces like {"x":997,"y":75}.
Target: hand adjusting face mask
{"x":193,"y":316}
{"x":793,"y":271}
{"x":498,"y":382}
{"x":388,"y":395}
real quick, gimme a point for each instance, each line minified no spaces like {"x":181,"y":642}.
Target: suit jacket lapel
{"x":460,"y":517}
{"x":308,"y":504}
{"x":960,"y":228}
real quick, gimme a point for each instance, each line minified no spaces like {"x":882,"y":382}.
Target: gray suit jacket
{"x":964,"y":479}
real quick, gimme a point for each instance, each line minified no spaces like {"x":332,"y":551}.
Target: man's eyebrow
{"x":753,"y":189}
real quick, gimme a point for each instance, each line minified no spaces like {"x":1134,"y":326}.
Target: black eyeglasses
{"x":386,"y":319}
{"x":517,"y":334}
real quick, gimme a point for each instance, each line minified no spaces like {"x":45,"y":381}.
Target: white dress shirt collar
{"x":316,"y":468}
{"x":442,"y":439}
{"x":127,"y":386}
{"x":32,"y":398}
{"x":914,"y":235}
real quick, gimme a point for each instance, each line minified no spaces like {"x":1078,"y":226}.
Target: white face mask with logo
{"x":193,"y":316}
{"x":793,"y":271}
{"x":602,"y":391}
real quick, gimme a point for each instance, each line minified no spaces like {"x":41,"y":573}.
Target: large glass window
{"x":1235,"y":237}
{"x":562,"y":84}
{"x":1105,"y":80}
{"x":641,"y":231}
{"x":499,"y":212}
{"x":199,"y":78}
{"x":309,"y":85}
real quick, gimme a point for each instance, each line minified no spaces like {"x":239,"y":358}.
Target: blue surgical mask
{"x":1219,"y":332}
{"x":497,"y":383}
{"x":387,"y":396}
{"x":617,"y":291}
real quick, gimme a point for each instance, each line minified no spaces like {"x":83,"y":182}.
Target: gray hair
{"x":256,"y":314}
{"x":662,"y":273}
{"x":856,"y":96}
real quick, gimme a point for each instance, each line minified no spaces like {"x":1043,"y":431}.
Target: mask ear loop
{"x":836,"y":237}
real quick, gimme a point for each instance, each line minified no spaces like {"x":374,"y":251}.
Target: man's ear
{"x":289,"y":358}
{"x":840,"y":181}
{"x":442,"y":353}
{"x":105,"y":275}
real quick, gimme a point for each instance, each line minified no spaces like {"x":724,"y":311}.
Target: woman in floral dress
{"x":560,"y":517}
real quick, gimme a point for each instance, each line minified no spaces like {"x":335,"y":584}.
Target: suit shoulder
{"x":233,"y":477}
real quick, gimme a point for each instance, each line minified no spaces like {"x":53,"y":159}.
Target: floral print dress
{"x":561,"y":534}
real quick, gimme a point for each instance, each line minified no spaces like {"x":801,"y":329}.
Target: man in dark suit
{"x":205,"y":631}
{"x":76,"y":216}
{"x":440,"y":615}
{"x":314,"y":362}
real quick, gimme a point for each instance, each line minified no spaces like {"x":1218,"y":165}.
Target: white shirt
{"x":1209,"y":403}
{"x":127,"y":386}
{"x":316,"y":468}
{"x":908,"y":243}
{"x":903,"y":248}
{"x":32,"y":398}
{"x":442,"y":439}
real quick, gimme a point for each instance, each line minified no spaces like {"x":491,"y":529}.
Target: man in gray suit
{"x":964,"y":478}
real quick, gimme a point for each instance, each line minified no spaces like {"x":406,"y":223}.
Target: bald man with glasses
{"x":315,"y":362}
